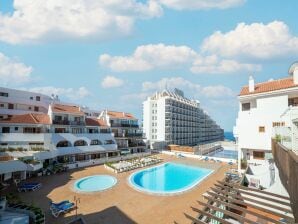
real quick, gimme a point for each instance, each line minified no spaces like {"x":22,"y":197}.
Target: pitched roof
{"x":95,"y":122}
{"x":121,"y":115}
{"x":28,"y":119}
{"x":269,"y":86}
{"x":60,"y":108}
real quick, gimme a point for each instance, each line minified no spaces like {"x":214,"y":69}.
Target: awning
{"x":12,"y":166}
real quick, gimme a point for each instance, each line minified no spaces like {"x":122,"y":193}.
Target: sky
{"x":113,"y":54}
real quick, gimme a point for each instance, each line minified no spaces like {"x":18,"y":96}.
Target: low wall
{"x":198,"y":156}
{"x":287,"y":164}
{"x":180,"y":148}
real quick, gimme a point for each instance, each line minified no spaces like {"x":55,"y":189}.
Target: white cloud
{"x":256,"y":40}
{"x":13,"y":72}
{"x":70,"y":93}
{"x":213,"y":65}
{"x":201,"y":4}
{"x":148,"y":57}
{"x":35,"y":20}
{"x":217,"y":91}
{"x":135,"y":97}
{"x":161,"y":56}
{"x":214,"y":91}
{"x":111,"y":82}
{"x":173,"y":82}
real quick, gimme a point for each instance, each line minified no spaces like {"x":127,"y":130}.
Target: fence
{"x":287,"y":137}
{"x":287,"y":163}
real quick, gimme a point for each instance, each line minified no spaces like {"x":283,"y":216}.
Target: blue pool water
{"x":168,"y":178}
{"x":229,"y":154}
{"x":95,"y":183}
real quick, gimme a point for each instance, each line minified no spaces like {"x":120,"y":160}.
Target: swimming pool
{"x":225,"y":153}
{"x":168,"y":178}
{"x":95,"y":183}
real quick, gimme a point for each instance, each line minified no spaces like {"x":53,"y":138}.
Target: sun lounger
{"x":62,"y":209}
{"x":29,"y":187}
{"x":54,"y":205}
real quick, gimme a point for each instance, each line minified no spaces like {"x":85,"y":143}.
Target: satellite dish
{"x":293,"y":67}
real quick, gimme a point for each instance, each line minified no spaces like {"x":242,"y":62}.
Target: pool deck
{"x":121,"y":204}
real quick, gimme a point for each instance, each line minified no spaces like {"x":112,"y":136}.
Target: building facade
{"x":37,"y":131}
{"x":264,"y":110}
{"x":13,"y":102}
{"x":171,"y":118}
{"x":126,"y":131}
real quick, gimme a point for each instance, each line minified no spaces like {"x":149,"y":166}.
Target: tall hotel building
{"x":171,"y":118}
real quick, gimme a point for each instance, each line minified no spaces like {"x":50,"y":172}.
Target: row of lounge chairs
{"x":29,"y":187}
{"x":206,"y":159}
{"x":61,"y":207}
{"x":137,"y":163}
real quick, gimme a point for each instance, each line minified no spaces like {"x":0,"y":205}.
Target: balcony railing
{"x":125,"y":125}
{"x":77,"y":123}
{"x":67,"y":122}
{"x":61,"y":122}
{"x":128,"y":135}
{"x":136,"y":144}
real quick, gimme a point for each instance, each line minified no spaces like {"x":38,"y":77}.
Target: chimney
{"x":251,"y":84}
{"x":295,"y":75}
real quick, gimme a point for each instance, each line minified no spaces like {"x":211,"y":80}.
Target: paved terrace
{"x":121,"y":204}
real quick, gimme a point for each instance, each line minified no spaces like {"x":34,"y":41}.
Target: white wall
{"x":147,"y":119}
{"x":161,"y":111}
{"x":267,"y":111}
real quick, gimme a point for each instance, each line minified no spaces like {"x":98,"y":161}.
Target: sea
{"x":229,"y":136}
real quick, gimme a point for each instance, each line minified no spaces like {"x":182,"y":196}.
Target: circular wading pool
{"x":95,"y":183}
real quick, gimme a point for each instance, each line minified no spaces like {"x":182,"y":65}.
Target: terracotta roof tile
{"x":95,"y":122}
{"x":28,"y":119}
{"x":59,"y":108}
{"x":121,"y":115}
{"x":269,"y":86}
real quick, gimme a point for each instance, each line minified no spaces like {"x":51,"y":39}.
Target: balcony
{"x":77,"y":123}
{"x":133,"y":144}
{"x":128,"y":135}
{"x":61,"y":122}
{"x":115,"y":125}
{"x":67,"y":122}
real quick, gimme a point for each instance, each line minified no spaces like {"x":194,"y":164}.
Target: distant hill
{"x":229,"y":136}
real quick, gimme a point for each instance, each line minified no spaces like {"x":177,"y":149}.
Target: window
{"x":36,"y":109}
{"x":1,"y":105}
{"x":37,"y":98}
{"x":3,"y":94}
{"x":16,"y":128}
{"x":278,"y":124}
{"x":5,"y":130}
{"x":258,"y":155}
{"x":31,"y":97}
{"x":245,"y":106}
{"x":10,"y":106}
{"x":262,"y":129}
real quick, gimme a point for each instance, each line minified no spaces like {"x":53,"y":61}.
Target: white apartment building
{"x":265,"y":108}
{"x":13,"y":102}
{"x":171,"y":118}
{"x":126,"y":131}
{"x":54,"y":133}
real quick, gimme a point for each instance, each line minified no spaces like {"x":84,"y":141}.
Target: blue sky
{"x":113,"y":54}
